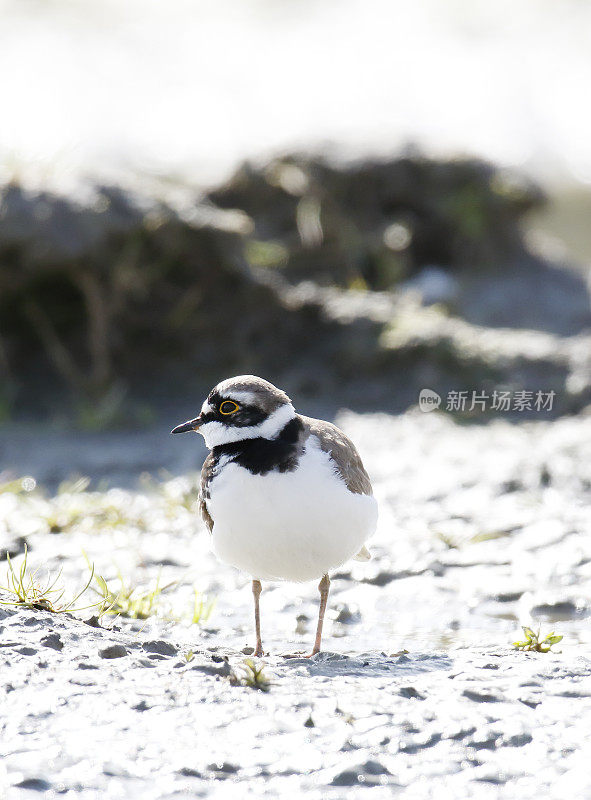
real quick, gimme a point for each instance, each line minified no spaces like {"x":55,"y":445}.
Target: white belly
{"x":293,"y":525}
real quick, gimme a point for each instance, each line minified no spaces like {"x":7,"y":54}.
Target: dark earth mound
{"x":376,"y":279}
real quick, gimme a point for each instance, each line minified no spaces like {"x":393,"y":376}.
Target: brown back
{"x":342,"y":451}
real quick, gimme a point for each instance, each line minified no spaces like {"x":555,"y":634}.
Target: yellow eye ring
{"x":228,"y":407}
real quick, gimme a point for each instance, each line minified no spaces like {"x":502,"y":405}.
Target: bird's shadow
{"x":370,"y":664}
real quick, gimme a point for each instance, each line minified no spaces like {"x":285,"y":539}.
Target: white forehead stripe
{"x":216,"y":433}
{"x":248,"y":398}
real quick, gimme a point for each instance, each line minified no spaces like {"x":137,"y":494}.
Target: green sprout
{"x":127,"y":601}
{"x":202,"y":608}
{"x":533,"y":641}
{"x":189,"y":656}
{"x":26,"y":590}
{"x":249,"y":674}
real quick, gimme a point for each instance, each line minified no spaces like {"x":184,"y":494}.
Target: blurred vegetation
{"x":106,"y":288}
{"x":94,"y":294}
{"x":76,"y":509}
{"x":132,"y":601}
{"x":376,"y":223}
{"x":167,"y":506}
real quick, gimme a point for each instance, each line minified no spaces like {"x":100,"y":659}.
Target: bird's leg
{"x":323,"y":588}
{"x":256,"y":590}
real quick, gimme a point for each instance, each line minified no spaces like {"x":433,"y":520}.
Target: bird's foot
{"x":300,"y":655}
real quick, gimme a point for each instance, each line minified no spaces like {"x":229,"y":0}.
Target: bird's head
{"x":244,"y":407}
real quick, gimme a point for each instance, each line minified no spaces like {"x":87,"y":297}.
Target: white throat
{"x":215,"y":433}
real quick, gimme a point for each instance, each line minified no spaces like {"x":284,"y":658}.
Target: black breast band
{"x":261,"y":456}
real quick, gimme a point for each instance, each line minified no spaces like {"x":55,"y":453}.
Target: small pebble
{"x":114,"y":651}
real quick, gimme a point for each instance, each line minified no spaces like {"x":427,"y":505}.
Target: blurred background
{"x":383,"y":207}
{"x":357,"y":200}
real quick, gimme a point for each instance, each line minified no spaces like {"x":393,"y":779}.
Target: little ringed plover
{"x":285,"y":497}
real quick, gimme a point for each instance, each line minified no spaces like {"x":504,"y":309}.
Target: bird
{"x":285,"y":497}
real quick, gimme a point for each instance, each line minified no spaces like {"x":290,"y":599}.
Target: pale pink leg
{"x":256,"y":590}
{"x":323,"y":588}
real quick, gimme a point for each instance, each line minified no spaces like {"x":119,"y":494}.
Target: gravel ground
{"x":482,"y":529}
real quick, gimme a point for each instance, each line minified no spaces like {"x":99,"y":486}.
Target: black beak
{"x":191,"y":425}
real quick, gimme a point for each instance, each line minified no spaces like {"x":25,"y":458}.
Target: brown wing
{"x":342,"y":451}
{"x":206,"y":475}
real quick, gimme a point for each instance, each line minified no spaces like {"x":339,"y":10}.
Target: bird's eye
{"x":228,"y":407}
